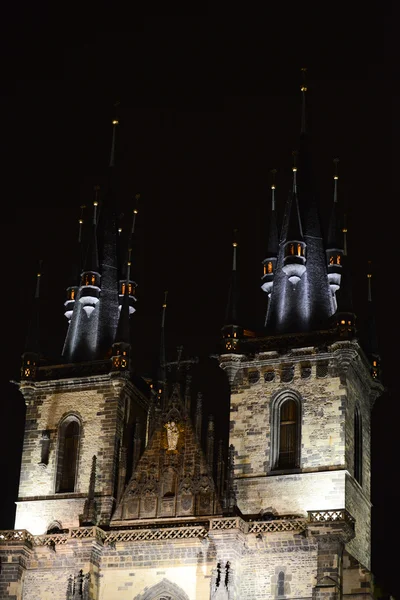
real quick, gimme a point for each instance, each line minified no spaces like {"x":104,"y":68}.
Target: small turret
{"x":269,"y":263}
{"x":31,"y":355}
{"x":89,"y":293}
{"x":371,"y":341}
{"x":294,"y":247}
{"x":344,"y":317}
{"x":161,"y":371}
{"x":72,"y":290}
{"x":334,"y":250}
{"x":232,"y":332}
{"x":132,"y":285}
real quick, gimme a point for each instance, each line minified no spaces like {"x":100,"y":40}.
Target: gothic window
{"x":68,"y":448}
{"x":357,"y":446}
{"x":285,"y":432}
{"x":281,"y":584}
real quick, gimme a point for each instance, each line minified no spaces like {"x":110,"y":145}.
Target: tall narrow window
{"x":68,"y":455}
{"x":285,"y":431}
{"x":357,"y":446}
{"x":288,"y":435}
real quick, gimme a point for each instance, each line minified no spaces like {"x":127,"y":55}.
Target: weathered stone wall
{"x":99,"y":407}
{"x":322,"y":432}
{"x":322,"y":439}
{"x":292,"y":493}
{"x":247,"y":565}
{"x":358,"y":496}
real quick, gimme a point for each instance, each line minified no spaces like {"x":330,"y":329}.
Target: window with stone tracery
{"x":68,"y":448}
{"x":285,"y":432}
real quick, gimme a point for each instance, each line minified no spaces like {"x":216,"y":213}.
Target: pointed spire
{"x":210,"y":443}
{"x":199,"y":415}
{"x":128,"y":282}
{"x":344,"y":231}
{"x":303,"y":107}
{"x":231,"y":316}
{"x":92,"y":256}
{"x":220,"y":469}
{"x":123,"y":329}
{"x":230,"y":496}
{"x":269,"y":263}
{"x":371,"y":338}
{"x":115,"y":124}
{"x":231,"y":331}
{"x":344,"y":316}
{"x":294,"y":262}
{"x":31,"y":355}
{"x":32,"y":341}
{"x":161,"y":374}
{"x":334,"y":238}
{"x":334,"y":246}
{"x":89,"y":510}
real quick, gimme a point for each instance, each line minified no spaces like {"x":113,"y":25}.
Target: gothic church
{"x":121,"y":496}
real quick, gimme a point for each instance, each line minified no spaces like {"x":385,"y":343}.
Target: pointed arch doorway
{"x":163,"y":590}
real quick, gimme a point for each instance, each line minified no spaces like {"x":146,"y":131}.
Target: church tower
{"x":302,"y":395}
{"x":125,"y":494}
{"x":83,"y":413}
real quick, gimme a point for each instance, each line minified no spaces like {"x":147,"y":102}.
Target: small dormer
{"x":231,"y":337}
{"x":294,"y":260}
{"x":131,"y":293}
{"x":69,"y":304}
{"x":89,"y":293}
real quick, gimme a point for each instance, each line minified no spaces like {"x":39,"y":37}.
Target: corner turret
{"x":269,"y":263}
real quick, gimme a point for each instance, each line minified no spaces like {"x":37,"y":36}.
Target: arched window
{"x":357,"y":446}
{"x":68,"y":448}
{"x":285,"y":432}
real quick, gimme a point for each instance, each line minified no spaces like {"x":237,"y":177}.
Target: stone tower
{"x":122,"y":497}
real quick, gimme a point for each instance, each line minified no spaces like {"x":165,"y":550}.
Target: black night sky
{"x":209,"y":104}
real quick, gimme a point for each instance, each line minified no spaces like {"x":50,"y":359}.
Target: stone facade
{"x":217,"y":558}
{"x":106,"y":408}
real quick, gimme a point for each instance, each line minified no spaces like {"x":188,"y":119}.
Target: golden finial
{"x":115,"y":120}
{"x":273,"y":173}
{"x":165,"y":299}
{"x":336,"y":162}
{"x":304,"y":87}
{"x":294,"y":154}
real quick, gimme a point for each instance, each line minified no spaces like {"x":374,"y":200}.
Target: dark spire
{"x":161,"y":374}
{"x":334,"y":238}
{"x":300,"y":299}
{"x":345,"y":317}
{"x":273,"y":237}
{"x":303,"y":106}
{"x":371,"y":338}
{"x":231,"y":315}
{"x":128,"y":281}
{"x":335,"y":242}
{"x":92,"y":256}
{"x":31,"y":355}
{"x":123,"y":329}
{"x":231,"y":331}
{"x":77,"y":266}
{"x":269,"y":262}
{"x":32,"y":343}
{"x":294,"y":229}
{"x":114,"y":136}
